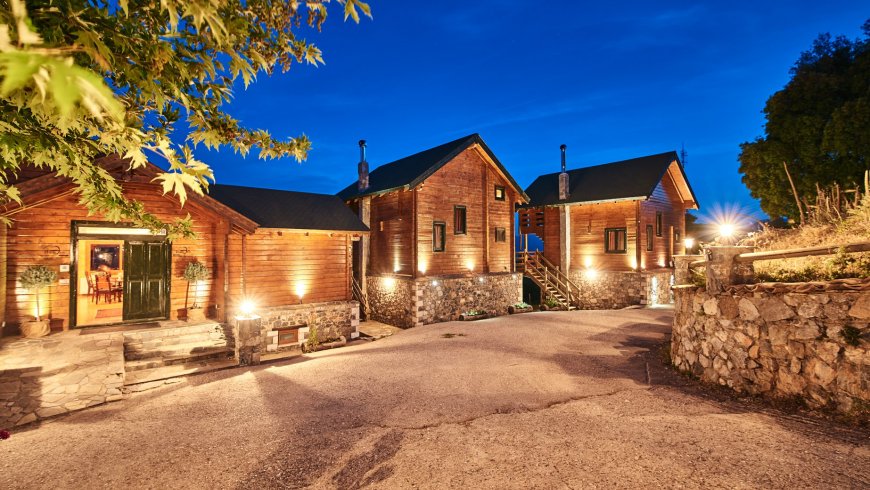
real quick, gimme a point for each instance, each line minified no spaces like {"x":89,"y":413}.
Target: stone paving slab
{"x":377,"y":330}
{"x":60,"y":373}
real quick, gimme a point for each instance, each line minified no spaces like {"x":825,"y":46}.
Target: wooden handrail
{"x":550,"y":274}
{"x":795,"y":253}
{"x":361,"y":297}
{"x":803,"y":252}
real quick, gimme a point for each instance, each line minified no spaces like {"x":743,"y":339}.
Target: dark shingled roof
{"x":636,"y":178}
{"x":289,"y":209}
{"x":410,"y":171}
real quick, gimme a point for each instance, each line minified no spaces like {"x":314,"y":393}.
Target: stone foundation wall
{"x":407,"y":302}
{"x":444,"y":299}
{"x":332,"y":320}
{"x":778,"y":342}
{"x":391,"y":300}
{"x":610,"y":290}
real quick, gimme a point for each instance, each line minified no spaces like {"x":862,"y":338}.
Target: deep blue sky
{"x":611,"y":81}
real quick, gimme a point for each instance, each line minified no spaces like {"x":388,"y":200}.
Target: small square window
{"x":658,"y":223}
{"x":439,"y":232}
{"x":614,"y":240}
{"x":649,"y":238}
{"x":500,"y":235}
{"x":499,"y":193}
{"x":459,"y":223}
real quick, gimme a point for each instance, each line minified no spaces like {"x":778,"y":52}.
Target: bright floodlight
{"x":689,"y":243}
{"x":247,"y":307}
{"x":726,"y":230}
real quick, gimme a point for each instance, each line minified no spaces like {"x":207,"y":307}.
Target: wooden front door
{"x":146,"y":279}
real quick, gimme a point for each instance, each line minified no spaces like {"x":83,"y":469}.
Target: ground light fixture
{"x":247,"y":308}
{"x":688,"y":244}
{"x":590,"y":274}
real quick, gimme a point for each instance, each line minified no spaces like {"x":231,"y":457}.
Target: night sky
{"x":611,"y":81}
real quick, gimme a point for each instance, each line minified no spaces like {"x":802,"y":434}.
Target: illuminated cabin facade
{"x":613,"y":229}
{"x":442,"y":234}
{"x":282,"y":250}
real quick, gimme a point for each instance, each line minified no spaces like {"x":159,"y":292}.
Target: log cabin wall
{"x":467,"y":180}
{"x":391,"y":224}
{"x":42,"y":235}
{"x":665,"y":199}
{"x":281,"y":264}
{"x":588,"y":222}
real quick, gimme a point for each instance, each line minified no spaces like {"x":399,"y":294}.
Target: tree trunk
{"x":794,"y":191}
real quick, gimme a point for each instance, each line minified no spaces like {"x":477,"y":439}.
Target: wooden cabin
{"x":278,"y":249}
{"x":442,"y":225}
{"x":603,"y":223}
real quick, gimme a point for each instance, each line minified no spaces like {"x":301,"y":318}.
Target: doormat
{"x":109,"y":312}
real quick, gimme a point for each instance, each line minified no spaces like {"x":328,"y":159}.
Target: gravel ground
{"x":541,"y":400}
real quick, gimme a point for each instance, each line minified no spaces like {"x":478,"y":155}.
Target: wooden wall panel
{"x":391,"y":249}
{"x":588,"y":223}
{"x":665,"y":199}
{"x":501,"y":215}
{"x":282,"y":263}
{"x":41,"y":235}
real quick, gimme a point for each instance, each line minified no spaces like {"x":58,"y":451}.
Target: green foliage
{"x":36,"y":277}
{"x":80,"y":80}
{"x":551,"y":302}
{"x":819,"y":124}
{"x":195,"y":271}
{"x":312,"y":341}
{"x":851,"y":335}
{"x":475,"y":312}
{"x":522,"y":304}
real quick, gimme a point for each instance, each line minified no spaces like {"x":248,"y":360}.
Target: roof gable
{"x":272,"y":208}
{"x":633,"y":179}
{"x":411,"y":171}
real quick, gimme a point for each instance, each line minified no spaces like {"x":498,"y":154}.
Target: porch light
{"x":587,"y":262}
{"x":688,"y":244}
{"x":247,"y":307}
{"x":469,"y":264}
{"x":422,"y":266}
{"x":300,"y":290}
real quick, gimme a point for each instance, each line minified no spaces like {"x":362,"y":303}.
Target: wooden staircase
{"x":553,"y":282}
{"x":360,"y":296}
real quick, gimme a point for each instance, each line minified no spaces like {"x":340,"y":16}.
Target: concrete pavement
{"x":540,"y":400}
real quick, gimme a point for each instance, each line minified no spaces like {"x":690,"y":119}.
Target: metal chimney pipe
{"x":362,"y":167}
{"x":563,"y":177}
{"x":563,"y":148}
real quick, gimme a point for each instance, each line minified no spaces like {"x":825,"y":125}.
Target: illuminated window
{"x":499,"y":193}
{"x":658,"y":223}
{"x":614,"y":240}
{"x":381,"y":225}
{"x":459,"y":224}
{"x":439,"y":230}
{"x":500,"y":235}
{"x":649,"y":238}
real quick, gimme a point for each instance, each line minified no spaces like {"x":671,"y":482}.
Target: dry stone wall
{"x":780,"y":343}
{"x":391,"y":300}
{"x":610,"y":290}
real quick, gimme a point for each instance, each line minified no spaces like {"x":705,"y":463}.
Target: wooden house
{"x":611,"y":230}
{"x":442,"y":226}
{"x":278,"y":251}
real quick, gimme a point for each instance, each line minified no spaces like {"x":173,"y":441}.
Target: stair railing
{"x":360,"y":296}
{"x":534,"y":263}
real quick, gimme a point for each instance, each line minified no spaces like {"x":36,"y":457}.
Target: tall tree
{"x":80,"y":79}
{"x":817,"y":129}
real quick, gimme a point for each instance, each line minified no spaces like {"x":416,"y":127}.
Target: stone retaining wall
{"x":777,"y":343}
{"x":610,"y":290}
{"x":407,"y":302}
{"x":332,"y":319}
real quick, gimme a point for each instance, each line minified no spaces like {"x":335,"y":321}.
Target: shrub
{"x":34,"y":278}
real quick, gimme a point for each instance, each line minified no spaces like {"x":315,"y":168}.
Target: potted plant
{"x":551,"y":304}
{"x":34,"y":278}
{"x":521,"y":307}
{"x":195,"y":272}
{"x":472,"y":315}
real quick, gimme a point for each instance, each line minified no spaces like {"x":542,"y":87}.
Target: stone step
{"x":140,"y":345}
{"x":174,"y":331}
{"x":171,"y":350}
{"x":205,"y":354}
{"x":144,"y":379}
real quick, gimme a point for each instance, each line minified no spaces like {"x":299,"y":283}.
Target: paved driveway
{"x":542,"y":400}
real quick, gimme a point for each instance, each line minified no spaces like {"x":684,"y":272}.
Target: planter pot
{"x":470,"y":318}
{"x":513,"y":310}
{"x":34,"y":329}
{"x":195,"y":314}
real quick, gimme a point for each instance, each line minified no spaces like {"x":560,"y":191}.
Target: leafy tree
{"x":83,"y":79}
{"x":818,"y":125}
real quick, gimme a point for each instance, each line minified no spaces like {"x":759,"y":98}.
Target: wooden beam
{"x":803,"y":252}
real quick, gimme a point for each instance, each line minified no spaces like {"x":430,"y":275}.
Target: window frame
{"x":659,"y":223}
{"x":456,"y":209}
{"x":624,"y":232}
{"x":650,"y":241}
{"x":503,"y":232}
{"x":443,"y":245}
{"x":503,"y":193}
